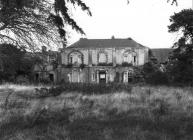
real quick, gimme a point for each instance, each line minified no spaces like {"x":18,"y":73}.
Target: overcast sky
{"x":145,"y":21}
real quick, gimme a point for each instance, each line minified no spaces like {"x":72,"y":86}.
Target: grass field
{"x":143,"y":113}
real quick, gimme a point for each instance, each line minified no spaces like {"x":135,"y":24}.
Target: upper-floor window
{"x":130,"y":57}
{"x":75,"y":58}
{"x":102,"y":58}
{"x":134,"y":57}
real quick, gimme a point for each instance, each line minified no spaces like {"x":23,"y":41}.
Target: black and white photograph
{"x":96,"y":69}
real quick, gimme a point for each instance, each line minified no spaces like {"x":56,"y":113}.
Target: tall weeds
{"x":146,"y":113}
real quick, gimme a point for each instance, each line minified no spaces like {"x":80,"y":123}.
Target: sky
{"x":145,"y":21}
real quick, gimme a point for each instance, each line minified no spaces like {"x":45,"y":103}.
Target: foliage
{"x":182,"y":21}
{"x":126,"y":64}
{"x":180,"y":67}
{"x":14,"y":62}
{"x":23,"y":21}
{"x":105,"y":64}
{"x":157,"y":78}
{"x":84,"y":88}
{"x":153,"y":74}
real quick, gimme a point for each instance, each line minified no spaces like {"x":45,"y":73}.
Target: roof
{"x":105,"y":43}
{"x":161,"y":54}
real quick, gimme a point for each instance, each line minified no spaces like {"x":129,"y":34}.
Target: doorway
{"x":102,"y":77}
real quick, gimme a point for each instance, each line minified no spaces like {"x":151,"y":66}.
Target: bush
{"x":157,"y":78}
{"x":105,"y":64}
{"x":87,"y":88}
{"x":126,"y":64}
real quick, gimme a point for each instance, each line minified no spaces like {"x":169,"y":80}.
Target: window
{"x":127,"y":57}
{"x":102,"y":58}
{"x":134,"y":59}
{"x":130,"y":57}
{"x":93,"y":76}
{"x":75,"y":58}
{"x":70,"y":59}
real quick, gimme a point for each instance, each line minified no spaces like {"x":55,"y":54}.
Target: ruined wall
{"x":114,"y":55}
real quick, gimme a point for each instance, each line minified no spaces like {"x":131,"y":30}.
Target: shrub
{"x":105,"y":64}
{"x":87,"y":88}
{"x":69,"y":65}
{"x":157,"y":78}
{"x":126,"y":64}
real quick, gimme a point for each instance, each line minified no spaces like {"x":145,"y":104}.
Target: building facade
{"x":45,"y":69}
{"x":101,"y":61}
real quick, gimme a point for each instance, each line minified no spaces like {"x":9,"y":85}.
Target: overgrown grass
{"x":141,"y":113}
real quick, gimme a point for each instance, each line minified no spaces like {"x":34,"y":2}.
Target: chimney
{"x":113,"y":37}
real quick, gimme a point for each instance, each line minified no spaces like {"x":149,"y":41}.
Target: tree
{"x":30,"y":22}
{"x":173,"y":2}
{"x":153,"y":74}
{"x":14,"y":62}
{"x":180,"y":67}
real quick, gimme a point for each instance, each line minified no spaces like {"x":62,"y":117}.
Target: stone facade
{"x":46,"y":69}
{"x":101,"y":61}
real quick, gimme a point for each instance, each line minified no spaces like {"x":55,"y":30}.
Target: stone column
{"x":107,"y":76}
{"x":114,"y":57}
{"x":90,"y":58}
{"x":97,"y":76}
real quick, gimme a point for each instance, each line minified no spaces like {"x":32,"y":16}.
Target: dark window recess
{"x":36,"y":76}
{"x":71,"y":59}
{"x":51,"y":77}
{"x":134,"y":59}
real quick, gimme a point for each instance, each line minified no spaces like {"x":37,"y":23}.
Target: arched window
{"x":102,"y":58}
{"x":75,"y":58}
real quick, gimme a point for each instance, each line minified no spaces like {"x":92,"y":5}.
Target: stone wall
{"x":114,"y":55}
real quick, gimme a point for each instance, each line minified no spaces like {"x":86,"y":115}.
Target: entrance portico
{"x":102,"y":76}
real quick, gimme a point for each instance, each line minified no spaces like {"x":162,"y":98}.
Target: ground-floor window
{"x":128,"y":76}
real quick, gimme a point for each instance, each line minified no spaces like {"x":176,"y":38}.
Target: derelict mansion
{"x":97,"y":61}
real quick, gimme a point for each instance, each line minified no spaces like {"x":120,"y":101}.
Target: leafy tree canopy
{"x":15,"y":61}
{"x":180,"y":67}
{"x":182,"y":21}
{"x":33,"y":23}
{"x":30,"y":22}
